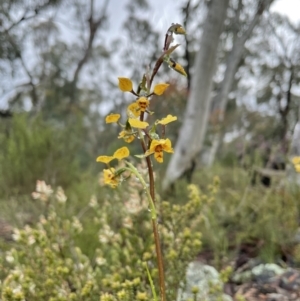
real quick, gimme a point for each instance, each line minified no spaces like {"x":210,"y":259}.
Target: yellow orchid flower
{"x":176,"y":28}
{"x":157,"y":147}
{"x":110,"y":178}
{"x":296,"y":160}
{"x":177,"y":67}
{"x":127,"y":136}
{"x":179,"y":30}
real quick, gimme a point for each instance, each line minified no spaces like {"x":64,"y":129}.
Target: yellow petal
{"x":104,"y":159}
{"x":167,"y":146}
{"x":296,"y":160}
{"x":125,"y":84}
{"x":167,"y":120}
{"x":121,"y":153}
{"x":128,"y":138}
{"x":159,"y":89}
{"x":122,"y":134}
{"x":112,"y":118}
{"x":154,"y":144}
{"x":135,"y":123}
{"x":297,"y":167}
{"x":133,"y":110}
{"x":108,"y":174}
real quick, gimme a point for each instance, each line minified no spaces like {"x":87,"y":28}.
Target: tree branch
{"x":186,"y":10}
{"x":285,"y":58}
{"x":31,"y":83}
{"x":23,"y":18}
{"x":93,"y":28}
{"x":36,"y":11}
{"x":234,"y":59}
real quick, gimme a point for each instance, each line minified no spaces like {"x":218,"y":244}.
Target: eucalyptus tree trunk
{"x":295,"y":145}
{"x":192,"y":132}
{"x":232,"y":63}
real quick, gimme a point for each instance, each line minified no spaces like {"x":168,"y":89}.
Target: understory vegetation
{"x":84,"y":241}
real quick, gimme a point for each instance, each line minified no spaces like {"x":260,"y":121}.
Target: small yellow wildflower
{"x":111,"y":118}
{"x":122,"y":294}
{"x":147,"y":256}
{"x":105,"y":159}
{"x":296,"y":160}
{"x":107,"y":297}
{"x":167,"y":120}
{"x":133,"y":110}
{"x":296,"y":163}
{"x":128,"y":136}
{"x":110,"y":178}
{"x":135,"y":123}
{"x":143,"y":103}
{"x":121,"y":153}
{"x":157,"y":147}
{"x":141,"y":296}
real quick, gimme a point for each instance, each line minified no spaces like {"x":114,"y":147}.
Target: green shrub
{"x":32,"y":149}
{"x":46,"y":262}
{"x":243,"y":213}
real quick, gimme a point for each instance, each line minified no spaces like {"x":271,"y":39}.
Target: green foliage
{"x":243,"y":213}
{"x":32,"y":149}
{"x":46,"y":262}
{"x":83,"y":250}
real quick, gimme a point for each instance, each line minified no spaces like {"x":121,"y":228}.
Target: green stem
{"x":138,"y":175}
{"x":162,"y":285}
{"x":151,"y":196}
{"x":151,"y":283}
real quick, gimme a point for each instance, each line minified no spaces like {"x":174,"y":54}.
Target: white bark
{"x":214,"y":149}
{"x":295,"y":145}
{"x":231,"y":68}
{"x":192,"y":132}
